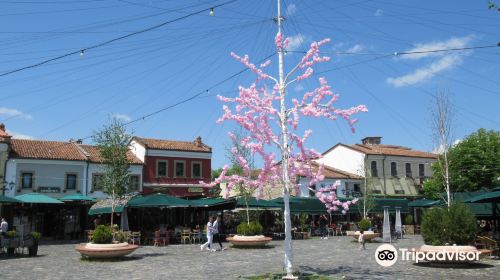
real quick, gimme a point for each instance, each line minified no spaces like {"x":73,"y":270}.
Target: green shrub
{"x":36,"y":235}
{"x":253,"y":228}
{"x":443,"y":226}
{"x":409,"y":220}
{"x":102,"y":235}
{"x":11,"y":234}
{"x":120,"y":236}
{"x":364,"y":224}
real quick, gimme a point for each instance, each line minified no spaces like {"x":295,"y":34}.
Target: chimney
{"x":79,"y":141}
{"x":198,"y":142}
{"x":372,"y":140}
{"x":4,"y":136}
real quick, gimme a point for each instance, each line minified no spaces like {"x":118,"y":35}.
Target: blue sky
{"x":74,"y":96}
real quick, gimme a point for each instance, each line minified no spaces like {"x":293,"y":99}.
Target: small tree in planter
{"x":33,"y":250}
{"x":364,"y":224}
{"x":102,"y":235}
{"x":112,"y":141}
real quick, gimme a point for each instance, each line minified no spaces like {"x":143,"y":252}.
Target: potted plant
{"x":105,"y":244}
{"x":12,"y":242}
{"x":363,"y":225}
{"x":33,"y":250}
{"x":249,"y":235}
{"x":449,"y":230}
{"x":409,"y":227}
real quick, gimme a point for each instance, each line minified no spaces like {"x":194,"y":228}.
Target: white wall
{"x":344,"y":159}
{"x":46,"y":173}
{"x":99,"y":168}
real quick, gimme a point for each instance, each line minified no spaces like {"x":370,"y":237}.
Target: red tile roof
{"x":333,"y":173}
{"x":94,"y":155}
{"x":169,"y":145}
{"x":390,"y":150}
{"x":36,"y":149}
{"x":55,"y":150}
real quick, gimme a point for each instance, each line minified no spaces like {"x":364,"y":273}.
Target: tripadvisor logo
{"x":387,"y":255}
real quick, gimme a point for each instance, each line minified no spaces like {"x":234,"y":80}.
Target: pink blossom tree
{"x":273,"y":134}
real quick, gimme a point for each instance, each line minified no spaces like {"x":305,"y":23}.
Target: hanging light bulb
{"x":82,"y":52}
{"x":212,"y":11}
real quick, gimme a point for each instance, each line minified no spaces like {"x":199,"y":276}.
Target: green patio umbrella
{"x":158,"y":200}
{"x":105,"y":210}
{"x":7,"y":199}
{"x":424,"y":203}
{"x":77,"y":197}
{"x":254,"y":203}
{"x":492,"y":197}
{"x":37,"y":198}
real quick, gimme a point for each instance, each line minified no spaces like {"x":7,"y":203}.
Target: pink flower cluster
{"x":328,"y":196}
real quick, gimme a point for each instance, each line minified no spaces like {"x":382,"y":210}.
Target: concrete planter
{"x":105,"y":251}
{"x":368,"y":235}
{"x":249,"y":241}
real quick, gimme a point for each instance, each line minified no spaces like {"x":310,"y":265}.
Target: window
{"x":394,"y":169}
{"x":196,"y":169}
{"x":421,"y":170}
{"x":180,"y":169}
{"x":161,"y":168}
{"x":27,"y":180}
{"x":408,"y":170}
{"x":71,"y":181}
{"x":97,"y":183}
{"x":133,"y":183}
{"x":357,"y":188}
{"x":399,"y":191}
{"x":374,"y":169}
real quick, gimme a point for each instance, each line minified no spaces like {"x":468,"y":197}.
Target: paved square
{"x":336,"y":256}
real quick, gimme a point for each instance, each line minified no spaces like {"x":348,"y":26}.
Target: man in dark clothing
{"x":322,"y":226}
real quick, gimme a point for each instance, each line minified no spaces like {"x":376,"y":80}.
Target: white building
{"x":390,"y":170}
{"x":58,"y":168}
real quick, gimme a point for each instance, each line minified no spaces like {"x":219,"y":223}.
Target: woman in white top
{"x":210,"y":235}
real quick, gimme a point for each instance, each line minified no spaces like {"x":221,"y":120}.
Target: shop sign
{"x":49,"y":189}
{"x":195,"y":189}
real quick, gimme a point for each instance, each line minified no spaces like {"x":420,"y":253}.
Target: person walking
{"x":361,"y":240}
{"x":4,"y":227}
{"x":322,"y":226}
{"x":218,"y":231}
{"x":210,"y":235}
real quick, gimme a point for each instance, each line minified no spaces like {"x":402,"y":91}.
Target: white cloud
{"x":14,"y":113}
{"x":355,"y":49}
{"x":291,"y":9}
{"x":295,"y":42}
{"x":456,"y":42}
{"x":17,"y":135}
{"x":379,"y":12}
{"x":122,"y":117}
{"x":298,"y":88}
{"x":442,"y":60}
{"x":427,"y":72}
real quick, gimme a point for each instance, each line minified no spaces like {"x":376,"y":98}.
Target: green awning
{"x":392,"y":203}
{"x":158,"y":200}
{"x":485,"y":198}
{"x":105,"y":210}
{"x":7,"y":199}
{"x":37,"y":198}
{"x":479,"y":209}
{"x":76,"y":197}
{"x":215,"y":202}
{"x":424,"y":203}
{"x":254,"y":203}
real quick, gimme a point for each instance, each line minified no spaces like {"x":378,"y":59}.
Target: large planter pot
{"x":249,"y":241}
{"x":451,"y":255}
{"x":368,"y":235}
{"x":33,"y":249}
{"x":105,"y":251}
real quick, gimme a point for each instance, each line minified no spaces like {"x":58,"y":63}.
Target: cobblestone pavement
{"x":336,"y":256}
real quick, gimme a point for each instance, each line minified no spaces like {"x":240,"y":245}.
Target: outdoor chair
{"x":195,"y":235}
{"x":186,"y":235}
{"x":338,"y":230}
{"x":135,"y":237}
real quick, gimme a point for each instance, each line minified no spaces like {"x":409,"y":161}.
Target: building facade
{"x":174,"y":167}
{"x":389,"y":170}
{"x":4,"y":155}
